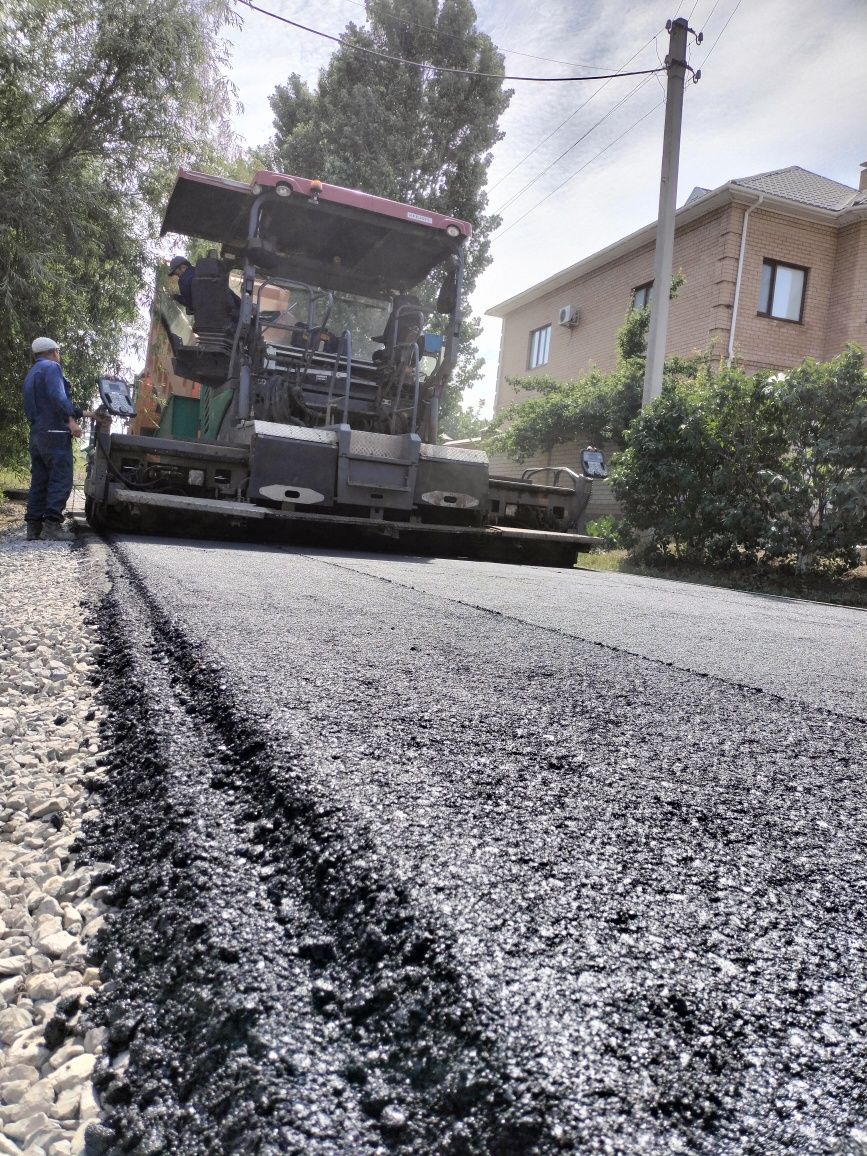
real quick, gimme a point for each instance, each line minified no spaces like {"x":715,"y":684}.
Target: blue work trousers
{"x":50,"y":474}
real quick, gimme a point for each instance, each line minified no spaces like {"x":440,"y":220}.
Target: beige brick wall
{"x":847,"y":311}
{"x":702,"y":250}
{"x":835,"y":310}
{"x":769,"y":343}
{"x":835,"y":307}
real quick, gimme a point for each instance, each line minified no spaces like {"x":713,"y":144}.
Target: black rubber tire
{"x":96,"y":514}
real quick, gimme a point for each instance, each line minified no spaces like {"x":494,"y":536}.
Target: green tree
{"x":100,"y":103}
{"x":411,"y":134}
{"x":467,"y":422}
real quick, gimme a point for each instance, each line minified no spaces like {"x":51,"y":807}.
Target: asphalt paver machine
{"x":324,"y":329}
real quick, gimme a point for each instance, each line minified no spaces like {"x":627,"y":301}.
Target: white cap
{"x":44,"y":345}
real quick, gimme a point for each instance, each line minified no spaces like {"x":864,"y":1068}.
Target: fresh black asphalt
{"x":409,"y":860}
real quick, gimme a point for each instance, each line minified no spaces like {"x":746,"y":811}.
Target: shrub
{"x":818,"y":489}
{"x":726,"y":470}
{"x":614,"y":532}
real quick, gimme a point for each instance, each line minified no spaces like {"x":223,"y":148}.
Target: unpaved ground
{"x":51,"y":905}
{"x":11,"y":513}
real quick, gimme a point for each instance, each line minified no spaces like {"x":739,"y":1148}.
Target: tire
{"x":96,"y":514}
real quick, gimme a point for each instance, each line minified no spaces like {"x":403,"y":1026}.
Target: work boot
{"x":56,"y":532}
{"x":34,"y":531}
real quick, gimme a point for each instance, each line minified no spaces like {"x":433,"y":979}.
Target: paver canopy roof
{"x":323,"y":234}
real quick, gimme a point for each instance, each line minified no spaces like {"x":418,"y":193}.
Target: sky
{"x":782,"y":83}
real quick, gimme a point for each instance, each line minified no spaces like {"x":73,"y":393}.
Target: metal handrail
{"x":417,"y":386}
{"x":556,"y":471}
{"x":416,"y":309}
{"x":346,"y":341}
{"x":400,"y":356}
{"x":312,"y":293}
{"x":344,"y":346}
{"x":409,"y":356}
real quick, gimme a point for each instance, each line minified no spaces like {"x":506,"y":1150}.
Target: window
{"x":641,"y":295}
{"x":540,"y":346}
{"x":782,"y":291}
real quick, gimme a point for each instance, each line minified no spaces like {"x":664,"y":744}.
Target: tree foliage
{"x":731,"y":468}
{"x":411,"y":134}
{"x":100,"y":103}
{"x":597,"y":406}
{"x":467,"y":421}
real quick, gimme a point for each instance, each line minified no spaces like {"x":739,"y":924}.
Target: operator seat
{"x":214,"y":304}
{"x":405,"y":323}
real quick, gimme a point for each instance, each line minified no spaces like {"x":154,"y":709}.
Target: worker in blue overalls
{"x":53,"y":424}
{"x":181,"y":268}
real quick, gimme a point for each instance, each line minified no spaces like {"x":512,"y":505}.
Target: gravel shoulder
{"x":51,"y":906}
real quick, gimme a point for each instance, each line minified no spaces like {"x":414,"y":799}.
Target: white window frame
{"x":540,"y":347}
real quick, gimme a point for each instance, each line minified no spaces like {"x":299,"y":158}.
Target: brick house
{"x":775,"y":268}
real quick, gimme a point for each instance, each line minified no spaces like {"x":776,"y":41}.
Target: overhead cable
{"x":574,"y":144}
{"x":635,"y":124}
{"x":402,"y":21}
{"x":563,"y":124}
{"x":706,"y":19}
{"x":426,"y":67}
{"x":721,"y":31}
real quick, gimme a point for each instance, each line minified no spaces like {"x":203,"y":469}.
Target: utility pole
{"x":676,"y":65}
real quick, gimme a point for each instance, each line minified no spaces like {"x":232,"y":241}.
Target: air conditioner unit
{"x":569,"y":315}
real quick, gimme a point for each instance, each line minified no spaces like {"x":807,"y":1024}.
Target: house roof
{"x":696,"y":195}
{"x":792,"y":189}
{"x":797,"y":184}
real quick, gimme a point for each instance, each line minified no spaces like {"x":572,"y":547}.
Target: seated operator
{"x":185,"y":272}
{"x":181,"y":268}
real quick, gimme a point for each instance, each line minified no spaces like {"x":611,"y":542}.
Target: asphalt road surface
{"x":445,"y":857}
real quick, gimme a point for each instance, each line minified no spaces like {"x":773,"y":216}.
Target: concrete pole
{"x":676,"y":62}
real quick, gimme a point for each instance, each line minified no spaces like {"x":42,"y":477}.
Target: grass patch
{"x":11,"y":479}
{"x":602,"y":560}
{"x":848,"y":590}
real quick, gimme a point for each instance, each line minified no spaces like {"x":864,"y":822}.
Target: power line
{"x":659,"y":58}
{"x":721,"y":31}
{"x":563,"y":124}
{"x":706,"y":20}
{"x":635,"y":124}
{"x":399,"y":21}
{"x":574,"y":144}
{"x":435,"y":67}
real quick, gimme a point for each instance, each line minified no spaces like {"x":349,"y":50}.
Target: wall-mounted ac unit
{"x":569,"y":315}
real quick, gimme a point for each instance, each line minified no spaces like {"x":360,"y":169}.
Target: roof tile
{"x":797,"y":184}
{"x":696,"y":195}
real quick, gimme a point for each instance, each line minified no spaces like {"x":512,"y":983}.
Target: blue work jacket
{"x":185,"y":288}
{"x":47,"y":401}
